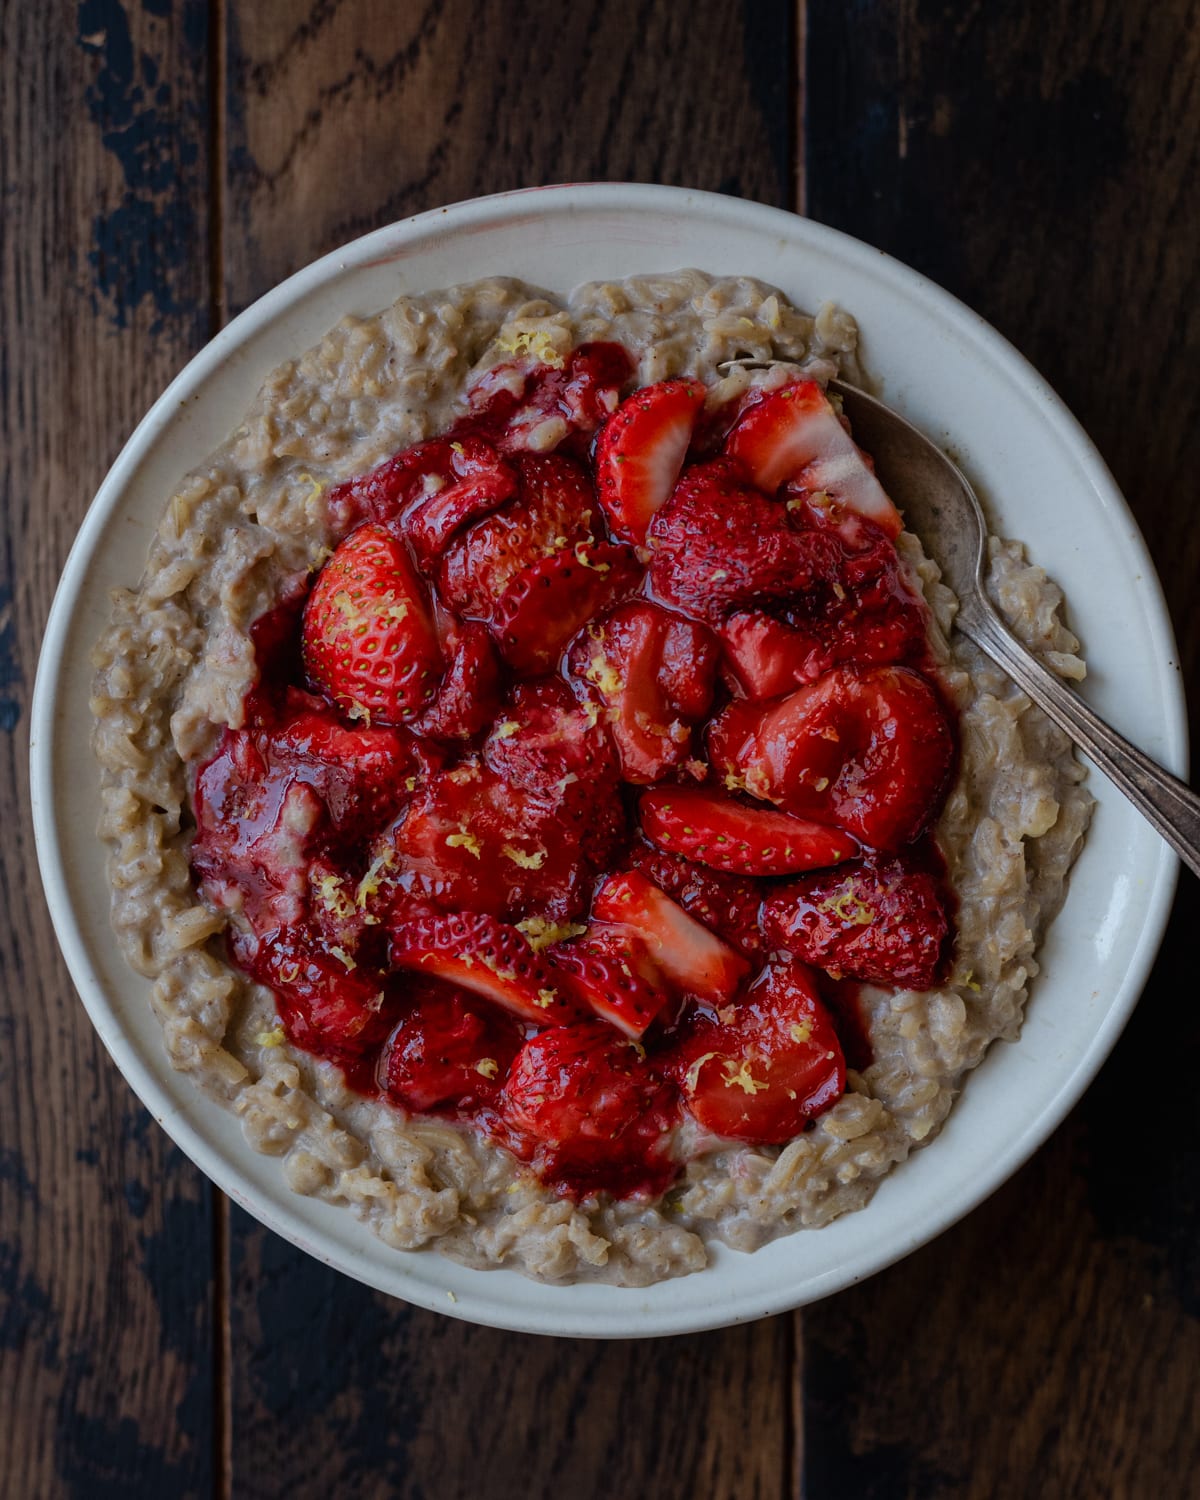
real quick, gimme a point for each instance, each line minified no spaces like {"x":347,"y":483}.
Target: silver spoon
{"x":942,"y":508}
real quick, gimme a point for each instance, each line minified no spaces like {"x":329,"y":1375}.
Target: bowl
{"x":946,"y":370}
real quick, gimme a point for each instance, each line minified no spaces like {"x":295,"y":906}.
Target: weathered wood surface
{"x":105,"y":1230}
{"x":1042,"y":163}
{"x":164,"y":162}
{"x":342,"y":117}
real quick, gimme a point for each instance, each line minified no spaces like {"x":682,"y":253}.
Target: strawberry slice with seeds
{"x":726,"y":904}
{"x":640,"y":452}
{"x":551,"y":512}
{"x":550,"y":600}
{"x":610,"y":969}
{"x":868,"y":749}
{"x":885,"y":921}
{"x":655,"y":672}
{"x":368,"y":636}
{"x":450,"y":1050}
{"x":767,"y":1065}
{"x":328,"y":1004}
{"x":488,"y":957}
{"x":586,"y":1107}
{"x":794,"y":433}
{"x":687,"y":953}
{"x":719,"y":544}
{"x":546,"y":743}
{"x":479,"y":482}
{"x":718,"y":831}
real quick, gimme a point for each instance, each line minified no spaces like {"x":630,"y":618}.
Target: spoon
{"x":941,"y":507}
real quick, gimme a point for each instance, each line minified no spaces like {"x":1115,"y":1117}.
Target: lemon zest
{"x":692,"y":1077}
{"x":526,"y":861}
{"x":540,"y":932}
{"x":464,"y":840}
{"x":742,"y":1078}
{"x":535,"y":342}
{"x":849,"y":908}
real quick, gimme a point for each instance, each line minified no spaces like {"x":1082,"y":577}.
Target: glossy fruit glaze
{"x":586,"y":779}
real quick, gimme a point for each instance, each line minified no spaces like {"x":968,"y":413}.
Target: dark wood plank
{"x":105,"y":1250}
{"x":340,"y":118}
{"x":1041,"y":163}
{"x":340,"y":1391}
{"x":347,"y":115}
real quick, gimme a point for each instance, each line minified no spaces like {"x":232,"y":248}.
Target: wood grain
{"x":162,"y":163}
{"x":1041,"y":162}
{"x":340,"y":1391}
{"x":341,"y":117}
{"x":105,"y":1253}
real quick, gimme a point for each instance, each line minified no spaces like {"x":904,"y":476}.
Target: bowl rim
{"x":381,"y":245}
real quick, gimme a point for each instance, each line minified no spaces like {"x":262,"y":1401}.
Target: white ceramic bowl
{"x":946,"y":370}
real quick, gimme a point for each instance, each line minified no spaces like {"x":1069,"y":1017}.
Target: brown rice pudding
{"x":545,"y":794}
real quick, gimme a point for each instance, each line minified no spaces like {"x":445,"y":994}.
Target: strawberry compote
{"x":590,"y":773}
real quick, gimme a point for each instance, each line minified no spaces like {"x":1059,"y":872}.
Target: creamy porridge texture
{"x":251,"y":528}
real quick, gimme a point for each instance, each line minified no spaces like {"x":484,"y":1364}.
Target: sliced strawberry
{"x":549,"y":601}
{"x":687,"y":953}
{"x":610,"y":969}
{"x":544,"y":742}
{"x":726,"y":904}
{"x":729,"y":835}
{"x":768,"y":1065}
{"x":718,"y":544}
{"x":886,"y":921}
{"x":687,"y":672}
{"x":640,"y":452}
{"x":654,"y":671}
{"x":327,"y":1003}
{"x":765,"y":657}
{"x":469,"y":696}
{"x":368,"y":637}
{"x":553,"y":511}
{"x":594,"y":1116}
{"x":471,"y":841}
{"x":793,"y":432}
{"x":479,"y":482}
{"x":450,"y":1050}
{"x":359,"y":773}
{"x":389,"y":489}
{"x":867,"y":749}
{"x":488,"y":957}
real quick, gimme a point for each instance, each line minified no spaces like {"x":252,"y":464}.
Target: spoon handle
{"x":1172,"y":807}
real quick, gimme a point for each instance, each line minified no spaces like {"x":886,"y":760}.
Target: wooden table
{"x":167,"y":161}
